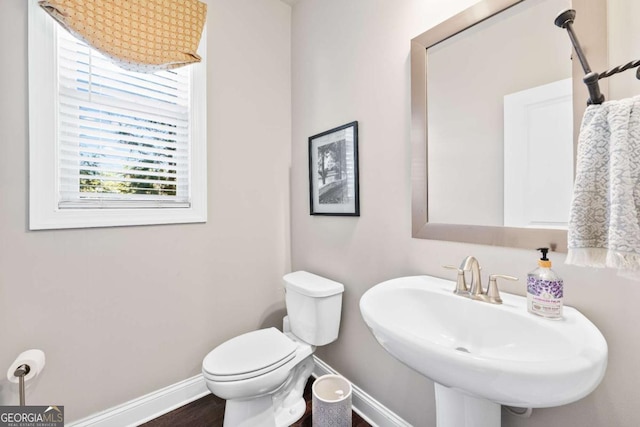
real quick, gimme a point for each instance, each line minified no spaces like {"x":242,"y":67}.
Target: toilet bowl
{"x":272,"y":374}
{"x":262,"y":374}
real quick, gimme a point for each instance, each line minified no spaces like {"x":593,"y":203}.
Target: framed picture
{"x":333,"y":171}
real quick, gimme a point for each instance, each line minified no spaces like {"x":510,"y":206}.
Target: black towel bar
{"x":565,"y":20}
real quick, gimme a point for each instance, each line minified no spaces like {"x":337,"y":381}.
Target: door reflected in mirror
{"x":500,"y":121}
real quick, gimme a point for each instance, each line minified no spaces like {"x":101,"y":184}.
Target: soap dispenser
{"x":544,"y":289}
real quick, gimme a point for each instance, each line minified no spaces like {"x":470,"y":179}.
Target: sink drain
{"x":462,"y":349}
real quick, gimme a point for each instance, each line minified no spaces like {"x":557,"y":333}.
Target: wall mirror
{"x":496,"y":102}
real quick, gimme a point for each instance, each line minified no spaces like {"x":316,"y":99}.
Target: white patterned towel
{"x":604,"y":225}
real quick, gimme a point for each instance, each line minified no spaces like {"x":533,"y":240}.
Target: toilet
{"x":262,"y":374}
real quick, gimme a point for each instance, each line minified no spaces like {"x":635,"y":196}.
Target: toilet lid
{"x":249,"y":355}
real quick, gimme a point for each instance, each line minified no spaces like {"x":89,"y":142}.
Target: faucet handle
{"x":493,"y":294}
{"x":461,"y":284}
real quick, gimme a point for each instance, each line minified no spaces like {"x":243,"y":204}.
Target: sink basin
{"x":500,"y":353}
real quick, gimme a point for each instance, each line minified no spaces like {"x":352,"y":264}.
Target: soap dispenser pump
{"x":545,"y":289}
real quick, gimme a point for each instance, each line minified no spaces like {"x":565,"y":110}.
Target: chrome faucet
{"x":475,"y":291}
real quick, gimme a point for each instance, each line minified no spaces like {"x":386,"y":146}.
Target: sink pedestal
{"x":455,"y":409}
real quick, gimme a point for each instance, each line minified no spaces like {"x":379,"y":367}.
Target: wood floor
{"x":209,"y":412}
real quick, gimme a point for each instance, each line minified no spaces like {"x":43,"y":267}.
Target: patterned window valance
{"x":138,"y":35}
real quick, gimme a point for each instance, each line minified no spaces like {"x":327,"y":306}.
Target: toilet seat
{"x":249,"y":355}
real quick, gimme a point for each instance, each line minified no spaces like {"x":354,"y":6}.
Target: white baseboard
{"x":149,"y":406}
{"x":157,"y":403}
{"x":372,"y":411}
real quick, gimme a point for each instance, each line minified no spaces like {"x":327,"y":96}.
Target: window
{"x":111,"y":147}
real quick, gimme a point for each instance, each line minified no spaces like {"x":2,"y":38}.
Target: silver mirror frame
{"x":592,"y":16}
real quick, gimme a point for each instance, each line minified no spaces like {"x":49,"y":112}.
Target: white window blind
{"x":123,"y":137}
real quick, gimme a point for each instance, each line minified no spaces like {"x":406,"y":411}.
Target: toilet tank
{"x":314,"y":304}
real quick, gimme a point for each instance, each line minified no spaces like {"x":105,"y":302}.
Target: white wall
{"x":624,"y":46}
{"x":121,"y":312}
{"x":351,"y":62}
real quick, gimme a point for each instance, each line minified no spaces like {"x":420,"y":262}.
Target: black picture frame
{"x":333,"y":172}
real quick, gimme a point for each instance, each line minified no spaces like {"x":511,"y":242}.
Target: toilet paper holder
{"x":20,"y":373}
{"x":27,"y":366}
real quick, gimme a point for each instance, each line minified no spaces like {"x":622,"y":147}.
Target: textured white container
{"x":331,"y":402}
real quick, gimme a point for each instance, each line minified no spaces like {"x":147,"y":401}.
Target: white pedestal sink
{"x":483,"y":355}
